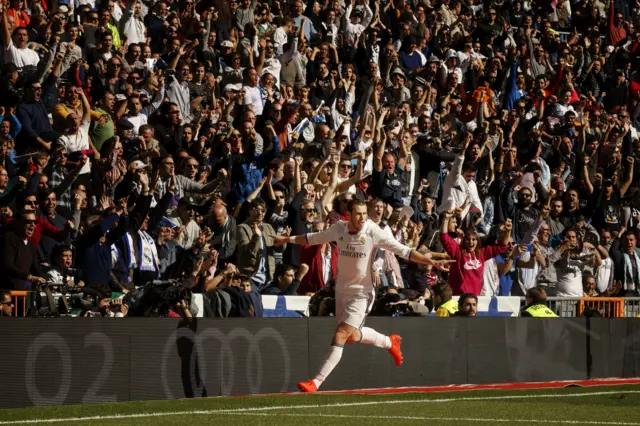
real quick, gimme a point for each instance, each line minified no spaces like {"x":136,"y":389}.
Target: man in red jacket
{"x":42,"y":226}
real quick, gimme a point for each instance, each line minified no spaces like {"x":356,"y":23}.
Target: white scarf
{"x":628,"y":272}
{"x":148,"y":254}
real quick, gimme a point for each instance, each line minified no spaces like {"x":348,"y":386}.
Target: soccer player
{"x":357,"y":240}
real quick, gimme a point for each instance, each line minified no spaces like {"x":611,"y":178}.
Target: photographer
{"x":109,"y":308}
{"x":404,"y":302}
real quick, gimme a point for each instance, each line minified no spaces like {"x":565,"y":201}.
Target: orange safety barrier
{"x":19,"y":296}
{"x":609,"y":307}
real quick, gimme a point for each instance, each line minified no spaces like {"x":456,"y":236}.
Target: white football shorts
{"x":353,"y":309}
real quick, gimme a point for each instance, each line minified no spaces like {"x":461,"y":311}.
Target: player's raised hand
{"x":442,"y":265}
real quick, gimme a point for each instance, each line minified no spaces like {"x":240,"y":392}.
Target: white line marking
{"x":452,"y":419}
{"x":289,"y":407}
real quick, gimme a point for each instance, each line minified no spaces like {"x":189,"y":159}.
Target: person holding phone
{"x":570,"y":260}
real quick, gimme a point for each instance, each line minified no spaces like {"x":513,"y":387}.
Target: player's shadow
{"x":192,"y":384}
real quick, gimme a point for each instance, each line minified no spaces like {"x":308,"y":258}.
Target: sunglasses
{"x":308,"y":210}
{"x":10,"y":303}
{"x":30,"y":222}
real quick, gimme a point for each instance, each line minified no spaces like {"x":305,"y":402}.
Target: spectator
{"x":7,"y":305}
{"x":255,"y":247}
{"x":536,"y":299}
{"x":466,"y":274}
{"x":443,"y":302}
{"x":286,"y":281}
{"x":224,"y":229}
{"x":467,"y":305}
{"x":570,"y":261}
{"x":19,"y":257}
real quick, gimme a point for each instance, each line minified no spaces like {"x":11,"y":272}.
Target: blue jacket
{"x":247,"y":170}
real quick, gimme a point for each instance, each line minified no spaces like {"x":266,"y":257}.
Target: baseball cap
{"x":138,"y":165}
{"x":227,"y":43}
{"x":168,"y":222}
{"x":124,"y":124}
{"x":233,"y":87}
{"x":187,"y":201}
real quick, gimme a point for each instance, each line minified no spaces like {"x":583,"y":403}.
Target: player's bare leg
{"x":349,"y":334}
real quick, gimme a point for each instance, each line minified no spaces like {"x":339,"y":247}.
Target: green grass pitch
{"x":601,"y":405}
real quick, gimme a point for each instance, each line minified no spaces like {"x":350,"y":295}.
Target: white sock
{"x":372,"y":337}
{"x":331,"y":359}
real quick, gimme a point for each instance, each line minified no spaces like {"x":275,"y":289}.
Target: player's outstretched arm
{"x":280,"y":240}
{"x":426,"y":259}
{"x":333,"y":233}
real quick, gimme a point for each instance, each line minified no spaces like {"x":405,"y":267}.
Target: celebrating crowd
{"x":172,"y":141}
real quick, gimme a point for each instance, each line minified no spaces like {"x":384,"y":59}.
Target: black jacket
{"x":18,"y":261}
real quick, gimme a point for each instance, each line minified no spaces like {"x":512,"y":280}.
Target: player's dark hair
{"x":354,"y":202}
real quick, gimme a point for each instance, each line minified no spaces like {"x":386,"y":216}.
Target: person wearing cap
{"x":124,"y":130}
{"x":170,"y":253}
{"x":449,"y":66}
{"x":398,"y":92}
{"x":230,"y":91}
{"x":185,"y":215}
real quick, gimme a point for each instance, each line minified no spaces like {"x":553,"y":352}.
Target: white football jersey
{"x":355,"y":254}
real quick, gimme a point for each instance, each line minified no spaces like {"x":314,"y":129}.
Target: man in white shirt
{"x":76,"y":137}
{"x":563,"y":106}
{"x":281,"y":34}
{"x":357,"y":241}
{"x":459,"y":186}
{"x":354,"y":25}
{"x":252,"y":92}
{"x":16,"y":51}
